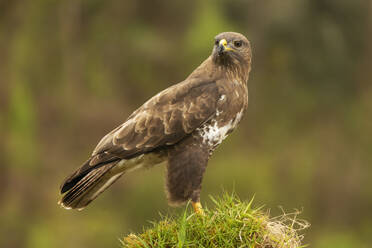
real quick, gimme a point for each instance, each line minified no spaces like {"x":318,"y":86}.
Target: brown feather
{"x":215,"y":96}
{"x":86,"y":189}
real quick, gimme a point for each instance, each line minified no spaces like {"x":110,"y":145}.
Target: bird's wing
{"x":163,"y":120}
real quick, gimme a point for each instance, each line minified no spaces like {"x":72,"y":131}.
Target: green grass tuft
{"x":232,"y":223}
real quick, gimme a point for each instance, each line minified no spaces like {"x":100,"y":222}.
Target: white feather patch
{"x":213,"y":134}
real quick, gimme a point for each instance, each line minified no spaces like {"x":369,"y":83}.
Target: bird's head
{"x":232,"y":50}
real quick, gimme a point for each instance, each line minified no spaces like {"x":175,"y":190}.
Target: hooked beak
{"x":222,"y":47}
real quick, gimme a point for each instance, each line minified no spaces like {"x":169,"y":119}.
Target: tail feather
{"x":89,"y":186}
{"x":78,"y":175}
{"x":83,"y":185}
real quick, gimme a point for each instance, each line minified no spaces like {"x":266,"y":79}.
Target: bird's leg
{"x":197,"y":207}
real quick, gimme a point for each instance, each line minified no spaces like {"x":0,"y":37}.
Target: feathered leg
{"x":187,"y":161}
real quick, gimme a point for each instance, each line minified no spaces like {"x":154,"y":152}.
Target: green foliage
{"x":232,"y":223}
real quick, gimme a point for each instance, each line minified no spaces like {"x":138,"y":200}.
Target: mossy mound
{"x":232,"y":223}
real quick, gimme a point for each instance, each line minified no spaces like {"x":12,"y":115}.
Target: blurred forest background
{"x":70,"y":71}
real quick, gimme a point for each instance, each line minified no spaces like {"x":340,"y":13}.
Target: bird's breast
{"x":213,"y":132}
{"x":231,"y":106}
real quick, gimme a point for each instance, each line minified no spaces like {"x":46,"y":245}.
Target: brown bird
{"x":181,"y":125}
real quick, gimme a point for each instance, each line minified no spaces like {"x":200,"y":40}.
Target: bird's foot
{"x":198,"y":208}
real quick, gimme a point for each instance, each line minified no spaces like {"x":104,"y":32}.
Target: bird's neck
{"x":214,"y":71}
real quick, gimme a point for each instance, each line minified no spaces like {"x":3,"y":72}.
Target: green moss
{"x":232,"y":223}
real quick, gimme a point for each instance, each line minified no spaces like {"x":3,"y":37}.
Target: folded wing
{"x":163,"y":120}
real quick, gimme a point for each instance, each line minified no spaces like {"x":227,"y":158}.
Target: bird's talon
{"x":198,"y":208}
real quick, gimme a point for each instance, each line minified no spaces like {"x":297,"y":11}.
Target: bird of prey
{"x":182,"y":125}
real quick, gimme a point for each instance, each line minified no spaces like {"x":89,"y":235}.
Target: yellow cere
{"x":223,"y":43}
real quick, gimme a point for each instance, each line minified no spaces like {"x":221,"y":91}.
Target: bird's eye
{"x":216,"y":42}
{"x":238,"y":43}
